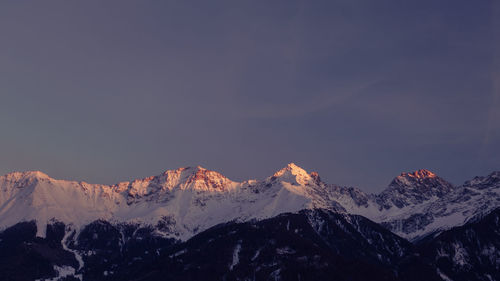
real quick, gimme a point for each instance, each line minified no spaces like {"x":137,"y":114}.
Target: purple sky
{"x":360,"y":91}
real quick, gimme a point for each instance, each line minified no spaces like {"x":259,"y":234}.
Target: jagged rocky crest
{"x":414,"y":188}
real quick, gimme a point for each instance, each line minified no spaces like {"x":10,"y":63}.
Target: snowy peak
{"x":414,"y":188}
{"x":421,"y":180}
{"x":202,"y":179}
{"x":17,"y":176}
{"x":294,"y":174}
{"x":187,"y":178}
{"x":22,"y":179}
{"x":290,"y":168}
{"x":492,"y":180}
{"x":188,"y":200}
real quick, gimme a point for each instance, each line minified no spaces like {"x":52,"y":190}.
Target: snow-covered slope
{"x":438,"y":206}
{"x":180,"y":203}
{"x":34,"y":195}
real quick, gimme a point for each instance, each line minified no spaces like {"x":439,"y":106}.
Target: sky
{"x":359,"y":91}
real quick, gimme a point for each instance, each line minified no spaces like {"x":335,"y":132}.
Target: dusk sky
{"x":359,"y":91}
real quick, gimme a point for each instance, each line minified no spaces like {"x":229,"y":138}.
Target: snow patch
{"x":236,"y":256}
{"x":176,"y":254}
{"x":285,"y":251}
{"x":461,"y":255}
{"x":64,"y":242}
{"x":63,"y":272}
{"x":256,"y":255}
{"x":443,"y":276}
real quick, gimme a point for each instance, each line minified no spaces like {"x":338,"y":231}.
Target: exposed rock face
{"x":414,"y":188}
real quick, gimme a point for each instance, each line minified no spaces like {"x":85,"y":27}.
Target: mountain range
{"x":149,"y":229}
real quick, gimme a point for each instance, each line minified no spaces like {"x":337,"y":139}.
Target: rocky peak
{"x":420,"y":174}
{"x":422,"y":180}
{"x":200,"y":178}
{"x":186,"y":178}
{"x":182,"y":175}
{"x":414,"y":188}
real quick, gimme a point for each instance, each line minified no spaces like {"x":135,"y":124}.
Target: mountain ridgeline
{"x":193,"y":223}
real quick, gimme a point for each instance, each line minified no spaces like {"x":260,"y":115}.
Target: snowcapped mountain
{"x":440,"y":207}
{"x":413,"y":189}
{"x":183,"y":202}
{"x":180,"y":202}
{"x":291,"y":224}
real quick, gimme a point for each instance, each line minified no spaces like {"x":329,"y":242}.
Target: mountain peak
{"x":198,"y":168}
{"x":16,"y":176}
{"x":290,"y":168}
{"x":482,"y":182}
{"x":203,"y":179}
{"x":420,"y":174}
{"x":293,"y":174}
{"x":420,"y":180}
{"x":185,"y":178}
{"x":187,"y":169}
{"x":414,"y":188}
